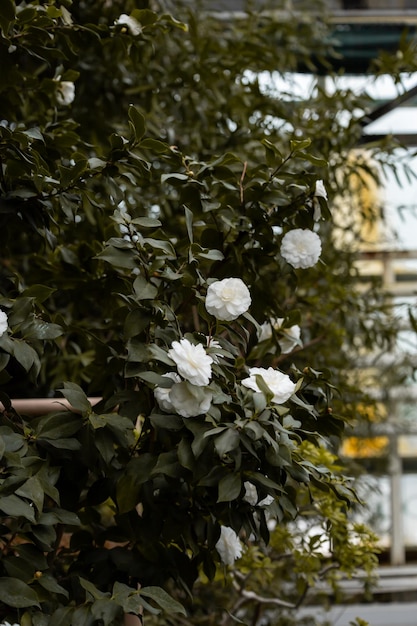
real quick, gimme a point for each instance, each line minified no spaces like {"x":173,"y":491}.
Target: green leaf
{"x":162,"y":599}
{"x":229,"y":488}
{"x":146,"y":222}
{"x":25,"y":355}
{"x":298,"y":145}
{"x":40,"y":293}
{"x":16,"y":507}
{"x":51,"y":584}
{"x":8,"y":9}
{"x":227,"y":441}
{"x":174,"y":176}
{"x":16,"y":593}
{"x":92,"y":589}
{"x":138,"y":122}
{"x":32,"y":490}
{"x":118,"y":257}
{"x":106,"y":611}
{"x":76,"y":397}
{"x":38,"y":329}
{"x":146,"y":17}
{"x":189,"y":223}
{"x":144,"y":290}
{"x":58,"y":425}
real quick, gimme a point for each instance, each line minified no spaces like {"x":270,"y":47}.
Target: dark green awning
{"x":357,"y":45}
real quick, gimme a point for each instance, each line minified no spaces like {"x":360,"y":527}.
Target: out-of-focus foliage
{"x":142,"y":159}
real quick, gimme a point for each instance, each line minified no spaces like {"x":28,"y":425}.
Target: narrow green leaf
{"x":189,"y":223}
{"x":138,"y":122}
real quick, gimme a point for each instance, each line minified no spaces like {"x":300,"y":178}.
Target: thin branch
{"x":251,"y":595}
{"x":242,"y":178}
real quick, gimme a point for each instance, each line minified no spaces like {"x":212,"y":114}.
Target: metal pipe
{"x":41,"y":406}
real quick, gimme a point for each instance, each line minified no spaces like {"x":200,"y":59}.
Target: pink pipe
{"x":41,"y":406}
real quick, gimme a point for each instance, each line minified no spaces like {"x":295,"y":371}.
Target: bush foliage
{"x":142,"y":160}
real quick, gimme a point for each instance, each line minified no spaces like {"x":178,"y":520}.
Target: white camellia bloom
{"x":133,"y":26}
{"x":251,"y":493}
{"x":192,"y":361}
{"x":229,"y":546}
{"x":162,"y":394}
{"x":266,"y":501}
{"x":188,"y":400}
{"x":301,"y":248}
{"x":8,"y":624}
{"x":227,"y":299}
{"x":3,"y":323}
{"x":289,"y":337}
{"x":320,"y":190}
{"x":279,"y":384}
{"x":65,"y":92}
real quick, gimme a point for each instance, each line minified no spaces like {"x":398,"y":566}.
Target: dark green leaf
{"x":15,"y":593}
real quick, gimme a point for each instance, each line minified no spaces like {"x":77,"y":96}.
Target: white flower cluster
{"x":229,"y":545}
{"x":301,"y":248}
{"x":188,"y":396}
{"x":8,"y":624}
{"x":288,"y":337}
{"x":65,"y":92}
{"x":132,"y":25}
{"x":3,"y":325}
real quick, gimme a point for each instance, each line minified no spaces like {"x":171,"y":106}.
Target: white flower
{"x":301,"y":248}
{"x":266,"y":501}
{"x":8,"y":624}
{"x":251,"y":493}
{"x":65,"y":92}
{"x":320,"y":190}
{"x":278,"y":383}
{"x":289,"y":337}
{"x":3,"y":323}
{"x":133,"y":26}
{"x":229,"y":546}
{"x":227,"y":299}
{"x":162,"y":394}
{"x":193,"y":363}
{"x":188,"y":400}
{"x":214,"y":347}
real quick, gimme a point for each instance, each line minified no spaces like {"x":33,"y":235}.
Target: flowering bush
{"x":143,"y":251}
